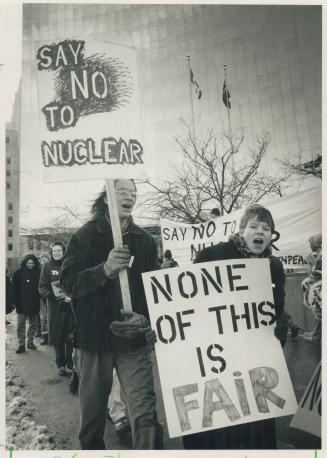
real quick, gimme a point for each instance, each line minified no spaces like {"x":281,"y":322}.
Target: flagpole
{"x":191,"y":96}
{"x":228,"y":109}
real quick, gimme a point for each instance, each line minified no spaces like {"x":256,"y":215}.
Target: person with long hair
{"x":254,"y":240}
{"x":44,"y":257}
{"x":58,"y":304}
{"x":108,"y":336}
{"x":26,"y":299}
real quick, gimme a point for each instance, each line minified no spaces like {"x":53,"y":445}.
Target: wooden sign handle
{"x":118,"y":240}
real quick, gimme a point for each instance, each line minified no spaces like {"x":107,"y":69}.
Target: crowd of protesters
{"x":107,"y":349}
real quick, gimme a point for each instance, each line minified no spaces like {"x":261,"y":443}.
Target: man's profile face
{"x":126,"y":197}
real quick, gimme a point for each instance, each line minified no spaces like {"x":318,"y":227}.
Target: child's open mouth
{"x":127,"y":206}
{"x":258,"y":241}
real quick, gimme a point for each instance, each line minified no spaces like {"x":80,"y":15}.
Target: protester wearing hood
{"x":25,"y":298}
{"x":9,"y":307}
{"x":59,"y":314}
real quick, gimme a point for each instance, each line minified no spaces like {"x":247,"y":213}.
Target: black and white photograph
{"x":163,"y":229}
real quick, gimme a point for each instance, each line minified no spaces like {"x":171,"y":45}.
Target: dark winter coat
{"x":24,"y":288}
{"x":59,"y":312}
{"x":9,"y":307}
{"x":97,"y":300}
{"x":255,"y":435}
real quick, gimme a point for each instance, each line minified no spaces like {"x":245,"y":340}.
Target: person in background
{"x":59,"y":324}
{"x":44,"y":258}
{"x":9,"y":307}
{"x":214,"y":213}
{"x":26,"y":299}
{"x":110,"y":337}
{"x":168,"y":260}
{"x":253,"y":241}
{"x":312,"y":286}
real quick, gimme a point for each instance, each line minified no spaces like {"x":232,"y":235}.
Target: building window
{"x":30,"y":244}
{"x":10,"y":207}
{"x":10,"y":219}
{"x":10,"y":246}
{"x":10,"y":232}
{"x":8,"y":160}
{"x":7,"y":185}
{"x":8,"y":173}
{"x":7,"y":140}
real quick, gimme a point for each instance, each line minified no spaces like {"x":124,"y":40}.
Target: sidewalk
{"x":54,"y":406}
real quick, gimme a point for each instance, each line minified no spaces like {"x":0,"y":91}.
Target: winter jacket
{"x":24,"y":288}
{"x":255,"y":435}
{"x":168,"y":263}
{"x":9,"y":307}
{"x":97,"y":300}
{"x":59,"y":316}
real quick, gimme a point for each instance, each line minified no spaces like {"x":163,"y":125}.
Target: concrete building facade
{"x":12,"y":197}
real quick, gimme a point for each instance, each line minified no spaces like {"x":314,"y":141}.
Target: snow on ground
{"x":22,"y":433}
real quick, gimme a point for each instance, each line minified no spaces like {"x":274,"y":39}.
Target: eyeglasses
{"x":126,"y":193}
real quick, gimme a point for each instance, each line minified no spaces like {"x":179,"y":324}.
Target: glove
{"x":64,"y":304}
{"x":281,"y":330}
{"x":150,"y":335}
{"x":130,"y":327}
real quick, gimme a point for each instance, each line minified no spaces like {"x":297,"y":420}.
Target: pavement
{"x":54,"y":406}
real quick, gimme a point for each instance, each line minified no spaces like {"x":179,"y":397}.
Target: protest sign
{"x":219,"y":361}
{"x":89,"y":111}
{"x":308,"y":414}
{"x":297,"y":217}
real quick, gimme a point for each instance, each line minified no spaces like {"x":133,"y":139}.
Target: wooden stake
{"x":118,"y":241}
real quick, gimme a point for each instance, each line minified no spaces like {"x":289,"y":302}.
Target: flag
{"x":195,"y":85}
{"x":226,"y":95}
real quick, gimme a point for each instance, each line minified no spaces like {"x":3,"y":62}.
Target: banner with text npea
{"x":297,"y":217}
{"x":219,"y":361}
{"x":89,"y":111}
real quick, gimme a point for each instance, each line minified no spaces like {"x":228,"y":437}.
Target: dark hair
{"x":61,"y":244}
{"x":99,"y":207}
{"x":167,"y":254}
{"x":259,"y":212}
{"x":215,"y":211}
{"x":29,"y":257}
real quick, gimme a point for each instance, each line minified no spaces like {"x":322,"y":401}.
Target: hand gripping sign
{"x":219,"y":361}
{"x":90,"y":118}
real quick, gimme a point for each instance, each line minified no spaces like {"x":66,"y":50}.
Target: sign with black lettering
{"x":308,"y":415}
{"x":219,"y":361}
{"x":297,"y":217}
{"x":89,"y":111}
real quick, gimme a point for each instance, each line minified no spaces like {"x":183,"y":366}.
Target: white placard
{"x":90,"y":123}
{"x":219,"y":361}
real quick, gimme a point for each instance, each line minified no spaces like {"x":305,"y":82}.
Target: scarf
{"x":244,"y":250}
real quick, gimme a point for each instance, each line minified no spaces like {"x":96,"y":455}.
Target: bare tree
{"x":302,"y":168}
{"x":219,"y":175}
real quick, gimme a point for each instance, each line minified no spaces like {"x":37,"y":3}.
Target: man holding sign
{"x":90,"y":277}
